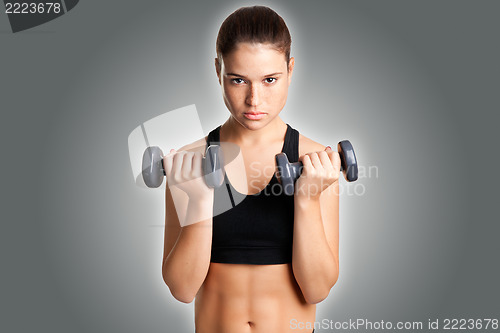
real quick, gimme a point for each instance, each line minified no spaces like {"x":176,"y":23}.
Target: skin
{"x":253,"y":298}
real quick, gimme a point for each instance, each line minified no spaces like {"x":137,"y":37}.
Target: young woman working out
{"x":264,"y":264}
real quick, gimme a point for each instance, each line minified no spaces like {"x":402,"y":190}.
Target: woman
{"x":264,"y":264}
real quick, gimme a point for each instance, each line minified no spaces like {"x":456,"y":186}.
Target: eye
{"x":270,"y":79}
{"x":237,"y":80}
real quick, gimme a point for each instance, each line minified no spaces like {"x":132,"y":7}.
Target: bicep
{"x":329,"y":203}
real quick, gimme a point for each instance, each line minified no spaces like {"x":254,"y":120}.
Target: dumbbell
{"x":287,"y":173}
{"x":153,"y":170}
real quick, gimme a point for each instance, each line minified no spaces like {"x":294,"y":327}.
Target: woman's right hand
{"x":184,"y":171}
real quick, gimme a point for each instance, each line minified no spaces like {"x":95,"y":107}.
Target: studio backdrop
{"x":412,"y":84}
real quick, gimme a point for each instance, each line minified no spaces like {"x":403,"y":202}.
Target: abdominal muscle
{"x":238,"y":298}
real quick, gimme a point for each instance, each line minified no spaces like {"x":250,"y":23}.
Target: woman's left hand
{"x":319,"y":171}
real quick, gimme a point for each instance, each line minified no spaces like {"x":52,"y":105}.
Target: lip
{"x":254,"y":115}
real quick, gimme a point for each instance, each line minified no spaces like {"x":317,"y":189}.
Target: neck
{"x":242,"y":136}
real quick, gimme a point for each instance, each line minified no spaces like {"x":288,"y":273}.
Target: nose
{"x":253,"y":95}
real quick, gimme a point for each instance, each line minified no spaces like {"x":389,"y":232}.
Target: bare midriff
{"x":251,"y":298}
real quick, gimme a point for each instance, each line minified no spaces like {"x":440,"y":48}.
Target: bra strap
{"x":291,"y":145}
{"x":213,"y":136}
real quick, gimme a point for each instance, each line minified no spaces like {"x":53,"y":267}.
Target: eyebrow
{"x":239,"y":75}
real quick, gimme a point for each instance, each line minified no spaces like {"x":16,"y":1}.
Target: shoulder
{"x":307,"y":145}
{"x":196,"y":146}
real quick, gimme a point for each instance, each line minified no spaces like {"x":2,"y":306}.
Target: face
{"x":254,"y":79}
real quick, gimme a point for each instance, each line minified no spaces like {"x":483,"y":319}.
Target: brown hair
{"x":257,"y":24}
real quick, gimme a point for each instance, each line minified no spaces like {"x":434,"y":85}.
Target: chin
{"x":253,"y":124}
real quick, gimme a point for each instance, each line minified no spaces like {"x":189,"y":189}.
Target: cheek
{"x":232,"y":93}
{"x":279,"y":92}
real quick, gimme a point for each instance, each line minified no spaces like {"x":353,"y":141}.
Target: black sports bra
{"x":259,"y":228}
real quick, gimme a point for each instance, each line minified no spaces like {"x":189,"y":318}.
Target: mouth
{"x":254,"y":115}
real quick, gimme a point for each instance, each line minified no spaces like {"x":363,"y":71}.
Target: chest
{"x":253,"y":168}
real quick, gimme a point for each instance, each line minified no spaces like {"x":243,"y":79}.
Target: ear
{"x":217,"y":68}
{"x":291,"y":65}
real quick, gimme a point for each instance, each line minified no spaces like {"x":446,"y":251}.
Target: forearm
{"x":314,"y":266}
{"x":186,"y":267}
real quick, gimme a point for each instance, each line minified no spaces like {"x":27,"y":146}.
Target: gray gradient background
{"x":411,"y":83}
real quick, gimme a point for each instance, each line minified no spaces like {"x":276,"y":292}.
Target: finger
{"x":316,"y":162}
{"x":187,"y":164}
{"x":167,"y":161}
{"x":306,"y":162}
{"x":325,"y":160}
{"x":335,"y":158}
{"x":197,"y":158}
{"x":177,"y":163}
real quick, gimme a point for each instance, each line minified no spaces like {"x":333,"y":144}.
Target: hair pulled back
{"x":256,"y":24}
